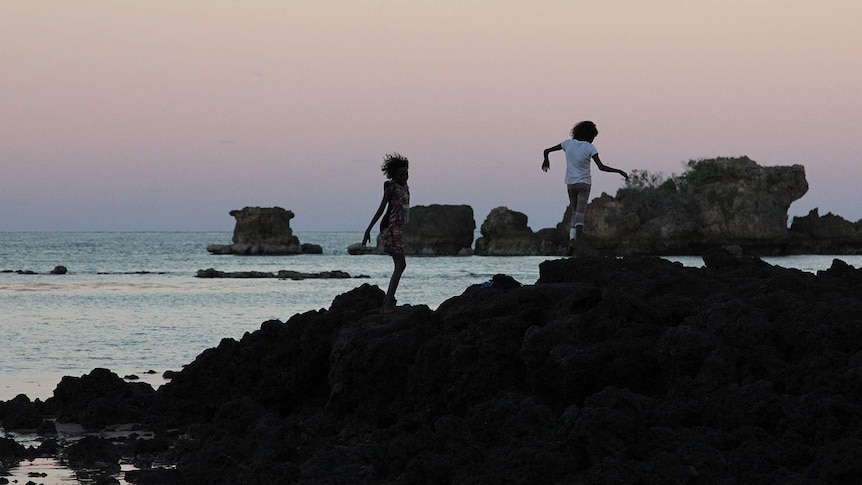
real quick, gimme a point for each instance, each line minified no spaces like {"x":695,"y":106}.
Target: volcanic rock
{"x":98,"y":399}
{"x":11,"y":453}
{"x":20,"y":413}
{"x":607,"y":370}
{"x":621,"y":370}
{"x":93,"y":452}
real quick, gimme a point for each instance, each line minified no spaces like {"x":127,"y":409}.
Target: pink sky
{"x":166,"y":115}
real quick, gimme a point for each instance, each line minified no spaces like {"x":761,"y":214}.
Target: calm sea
{"x":131,"y":302}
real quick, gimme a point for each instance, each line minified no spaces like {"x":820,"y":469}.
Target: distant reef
{"x":606,"y":370}
{"x":281,"y":274}
{"x":58,"y":270}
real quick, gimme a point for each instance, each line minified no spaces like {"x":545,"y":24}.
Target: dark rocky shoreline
{"x":607,"y":370}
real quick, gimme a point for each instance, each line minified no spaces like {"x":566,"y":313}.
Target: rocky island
{"x":434,"y":230}
{"x":263,"y":231}
{"x":717,"y":202}
{"x":505,"y":233}
{"x":605,"y":370}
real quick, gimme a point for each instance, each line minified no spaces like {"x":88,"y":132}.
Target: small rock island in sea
{"x":263,"y":231}
{"x":606,"y":370}
{"x":719,"y":202}
{"x":434,"y":230}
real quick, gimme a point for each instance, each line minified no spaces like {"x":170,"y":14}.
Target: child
{"x":396,"y":201}
{"x":579,"y":150}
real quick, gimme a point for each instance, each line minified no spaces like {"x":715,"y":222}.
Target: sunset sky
{"x":166,"y":115}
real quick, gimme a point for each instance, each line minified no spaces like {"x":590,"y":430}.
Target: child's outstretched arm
{"x":605,"y":168}
{"x":386,"y":195}
{"x":547,"y":164}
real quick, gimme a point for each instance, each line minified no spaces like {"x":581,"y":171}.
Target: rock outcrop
{"x":357,"y":249}
{"x":439,"y":230}
{"x":505,"y":233}
{"x":263,"y":225}
{"x":434,"y":230}
{"x":20,"y":413}
{"x":98,"y":399}
{"x":58,"y":270}
{"x":718,"y":202}
{"x":829,"y":234}
{"x":263,"y":231}
{"x":607,"y":370}
{"x":281,"y":274}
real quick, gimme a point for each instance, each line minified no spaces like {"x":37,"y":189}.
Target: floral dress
{"x":397,"y":214}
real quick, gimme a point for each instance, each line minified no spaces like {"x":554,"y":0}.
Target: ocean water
{"x":131,"y":302}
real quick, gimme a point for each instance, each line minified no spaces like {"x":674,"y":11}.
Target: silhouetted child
{"x":579,"y":151}
{"x":396,"y":202}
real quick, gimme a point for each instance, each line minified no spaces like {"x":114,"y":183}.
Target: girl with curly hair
{"x":396,"y":203}
{"x":579,"y":151}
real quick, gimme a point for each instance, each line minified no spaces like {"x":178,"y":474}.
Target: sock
{"x":573,"y":234}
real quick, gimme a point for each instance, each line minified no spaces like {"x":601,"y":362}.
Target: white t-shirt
{"x":578,"y":156}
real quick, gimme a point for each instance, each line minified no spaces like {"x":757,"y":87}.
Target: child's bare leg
{"x":389,"y":300}
{"x":579,"y":195}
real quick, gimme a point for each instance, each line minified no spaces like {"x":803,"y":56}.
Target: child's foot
{"x":572,"y":246}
